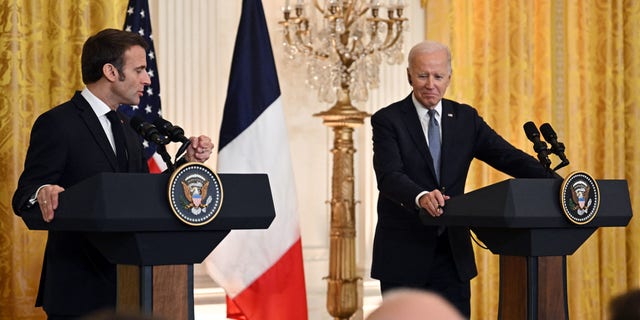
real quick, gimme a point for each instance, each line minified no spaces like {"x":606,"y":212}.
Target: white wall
{"x":194,"y":44}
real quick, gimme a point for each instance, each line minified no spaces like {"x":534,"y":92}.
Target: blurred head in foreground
{"x":411,"y":304}
{"x":625,"y":306}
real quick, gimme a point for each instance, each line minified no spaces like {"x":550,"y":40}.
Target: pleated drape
{"x":40,"y":46}
{"x":575,"y":65}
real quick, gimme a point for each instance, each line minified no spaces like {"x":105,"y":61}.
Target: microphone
{"x":556,"y":147}
{"x":174,"y":133}
{"x":148,"y":131}
{"x":540,"y":147}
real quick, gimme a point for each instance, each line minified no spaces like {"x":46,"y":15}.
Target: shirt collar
{"x":422,"y":110}
{"x":98,"y":106}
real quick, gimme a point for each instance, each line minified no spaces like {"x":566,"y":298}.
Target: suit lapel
{"x":414,"y":128}
{"x":412,"y":123}
{"x":93,"y":124}
{"x":447,"y":120}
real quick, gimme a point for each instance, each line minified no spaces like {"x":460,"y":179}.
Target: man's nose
{"x":147,"y":79}
{"x":428,"y":82}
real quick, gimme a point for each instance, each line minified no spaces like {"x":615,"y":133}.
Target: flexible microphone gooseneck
{"x":174,"y":133}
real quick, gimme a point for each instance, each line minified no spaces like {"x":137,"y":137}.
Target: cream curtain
{"x":575,"y":65}
{"x":40,"y":46}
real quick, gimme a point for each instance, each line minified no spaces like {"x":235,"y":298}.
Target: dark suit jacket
{"x":403,"y":248}
{"x":67,"y":146}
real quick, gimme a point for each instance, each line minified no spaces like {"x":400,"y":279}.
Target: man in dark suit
{"x":411,"y":176}
{"x":77,"y":140}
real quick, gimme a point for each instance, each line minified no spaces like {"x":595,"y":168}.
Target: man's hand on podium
{"x":48,"y":200}
{"x":199,"y":150}
{"x":433,"y":202}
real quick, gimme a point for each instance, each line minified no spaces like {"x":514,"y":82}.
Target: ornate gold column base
{"x":342,"y":297}
{"x":342,"y":293}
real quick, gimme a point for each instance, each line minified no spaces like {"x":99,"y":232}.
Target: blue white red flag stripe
{"x":138,"y":20}
{"x":261,"y":270}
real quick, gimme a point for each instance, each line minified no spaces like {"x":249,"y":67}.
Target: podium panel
{"x":128,"y":218}
{"x":523,"y":217}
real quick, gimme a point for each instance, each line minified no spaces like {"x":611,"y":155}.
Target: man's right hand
{"x":433,"y":202}
{"x":48,"y":201}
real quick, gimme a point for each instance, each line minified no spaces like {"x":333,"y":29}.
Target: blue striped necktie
{"x":433,"y":133}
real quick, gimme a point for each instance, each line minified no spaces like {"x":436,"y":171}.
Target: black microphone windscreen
{"x":531,"y":131}
{"x":547,"y":132}
{"x":162,"y":124}
{"x":136,"y":123}
{"x":174,"y":133}
{"x":147,"y":130}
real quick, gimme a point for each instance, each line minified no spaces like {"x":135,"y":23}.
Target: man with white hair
{"x":412,"y":304}
{"x":423,"y":146}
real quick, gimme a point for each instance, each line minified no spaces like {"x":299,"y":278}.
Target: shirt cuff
{"x":418,"y":198}
{"x":34,"y":197}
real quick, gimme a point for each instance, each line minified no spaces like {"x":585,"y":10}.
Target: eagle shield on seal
{"x":195,"y":189}
{"x":580,"y":197}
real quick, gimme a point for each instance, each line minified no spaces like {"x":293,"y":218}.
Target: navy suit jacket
{"x":68,"y":145}
{"x":403,"y":247}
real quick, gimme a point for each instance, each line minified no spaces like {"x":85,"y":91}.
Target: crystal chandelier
{"x":343,"y":43}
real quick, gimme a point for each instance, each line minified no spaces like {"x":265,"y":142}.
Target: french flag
{"x":261,"y":270}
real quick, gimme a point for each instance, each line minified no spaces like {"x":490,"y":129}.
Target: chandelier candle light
{"x":342,"y":43}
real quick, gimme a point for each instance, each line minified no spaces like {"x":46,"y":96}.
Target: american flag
{"x":138,"y":20}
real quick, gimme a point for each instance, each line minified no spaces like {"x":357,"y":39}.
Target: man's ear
{"x":409,"y":77}
{"x":110,"y":72}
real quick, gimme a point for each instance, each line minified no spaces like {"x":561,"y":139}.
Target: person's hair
{"x":625,"y":306}
{"x":414,"y":304}
{"x":107,"y":46}
{"x":429,"y":47}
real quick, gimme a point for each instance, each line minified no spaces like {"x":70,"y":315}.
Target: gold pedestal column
{"x":342,"y":293}
{"x":343,"y":43}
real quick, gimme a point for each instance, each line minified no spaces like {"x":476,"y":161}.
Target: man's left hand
{"x":200,"y":149}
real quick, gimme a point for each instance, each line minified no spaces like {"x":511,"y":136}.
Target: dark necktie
{"x":118,"y":138}
{"x":434,"y":148}
{"x":433,"y":134}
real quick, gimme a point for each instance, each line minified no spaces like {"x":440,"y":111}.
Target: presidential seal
{"x":580,"y":197}
{"x":195,"y":194}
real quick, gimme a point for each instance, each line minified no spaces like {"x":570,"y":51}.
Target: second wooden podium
{"x":522,"y":221}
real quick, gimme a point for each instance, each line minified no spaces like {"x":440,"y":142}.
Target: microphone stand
{"x":162,"y":150}
{"x":562,"y":164}
{"x":543,"y":154}
{"x":183,"y":148}
{"x":558,"y":149}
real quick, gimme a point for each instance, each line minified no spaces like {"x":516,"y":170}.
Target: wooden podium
{"x":522,"y":221}
{"x":127,"y":216}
